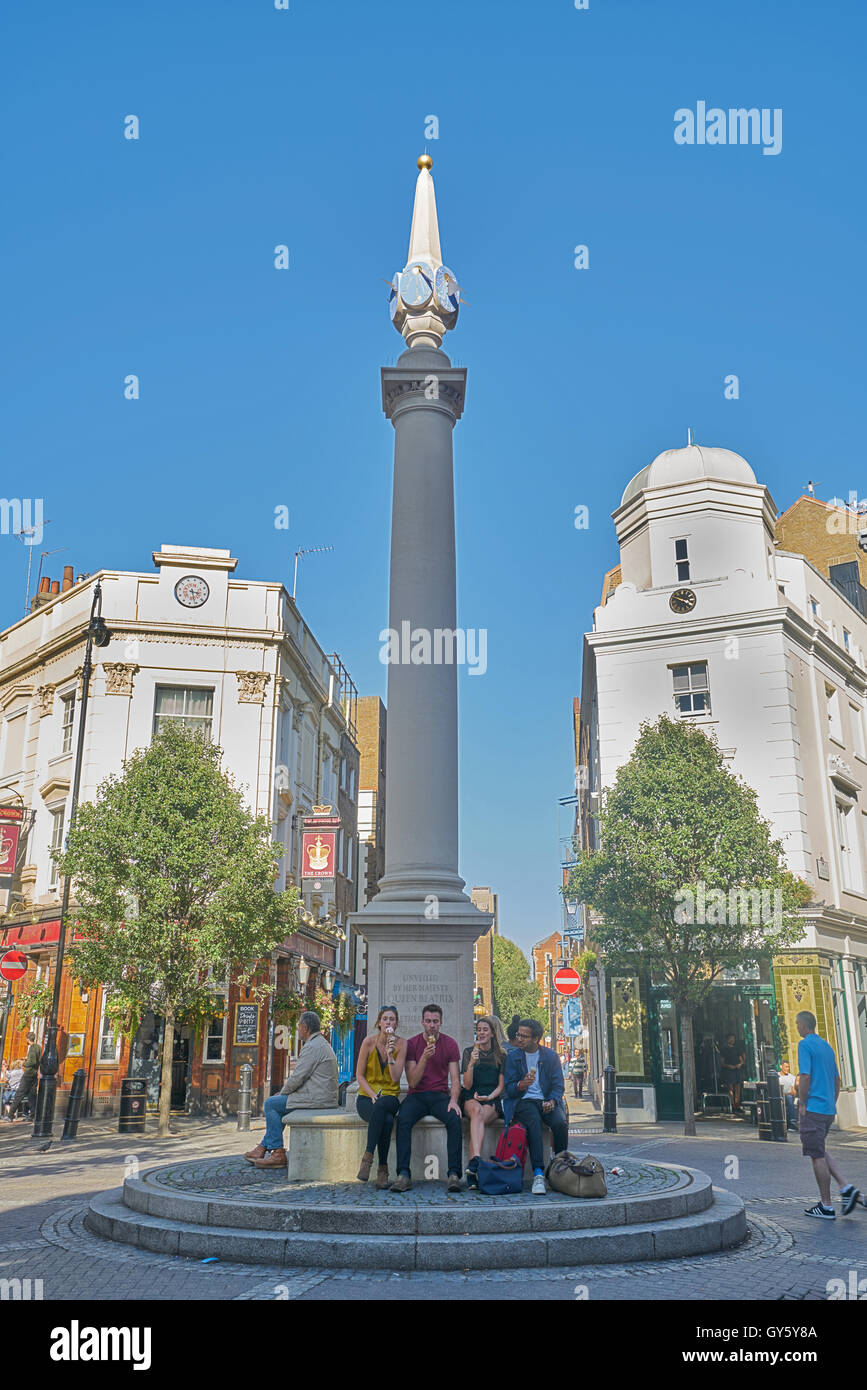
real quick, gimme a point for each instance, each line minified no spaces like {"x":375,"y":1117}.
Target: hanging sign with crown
{"x":10,"y":830}
{"x":318,"y":854}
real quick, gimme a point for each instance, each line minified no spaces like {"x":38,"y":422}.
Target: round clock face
{"x":393,"y":305}
{"x":682,"y":601}
{"x":416,"y":284}
{"x":447,"y":290}
{"x":191,"y":591}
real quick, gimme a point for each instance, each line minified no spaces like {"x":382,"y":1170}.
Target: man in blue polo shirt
{"x":818,"y":1089}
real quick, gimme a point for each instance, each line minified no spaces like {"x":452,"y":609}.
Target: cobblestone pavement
{"x":788,"y":1256}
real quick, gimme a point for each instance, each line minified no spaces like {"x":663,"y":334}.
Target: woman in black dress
{"x":482,"y":1079}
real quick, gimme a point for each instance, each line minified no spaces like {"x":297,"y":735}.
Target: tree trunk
{"x":166,"y":1079}
{"x":688,"y":1069}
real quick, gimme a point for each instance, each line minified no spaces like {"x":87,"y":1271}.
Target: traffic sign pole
{"x":7,"y":1009}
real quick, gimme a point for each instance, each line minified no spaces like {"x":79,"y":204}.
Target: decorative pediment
{"x":55,"y":789}
{"x":841,"y":773}
{"x":18,"y":690}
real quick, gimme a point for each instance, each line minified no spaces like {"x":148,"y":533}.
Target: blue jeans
{"x":790,"y":1109}
{"x":275,"y":1109}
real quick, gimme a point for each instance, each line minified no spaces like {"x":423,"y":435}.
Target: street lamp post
{"x":46,"y":1095}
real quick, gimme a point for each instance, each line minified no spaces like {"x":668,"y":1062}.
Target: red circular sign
{"x":567,"y":980}
{"x":13,"y":965}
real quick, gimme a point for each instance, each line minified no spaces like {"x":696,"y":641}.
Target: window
{"x":850,"y":856}
{"x":215,"y":1040}
{"x":109,"y":1045}
{"x":475,"y":950}
{"x":847,"y":639}
{"x":815,"y":609}
{"x":343,"y":774}
{"x":68,"y":704}
{"x":841,"y":1024}
{"x":691,"y":690}
{"x":178,"y":704}
{"x":859,"y":971}
{"x":57,"y":819}
{"x":832,"y":700}
{"x":349,"y":856}
{"x":681,"y":559}
{"x":857,"y":717}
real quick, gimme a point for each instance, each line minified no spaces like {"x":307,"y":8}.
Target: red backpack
{"x":512,"y":1144}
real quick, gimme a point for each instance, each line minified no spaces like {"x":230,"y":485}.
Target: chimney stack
{"x":68,"y":581}
{"x":55,"y":587}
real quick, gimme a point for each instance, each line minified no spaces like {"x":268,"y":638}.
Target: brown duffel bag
{"x":576,"y":1177}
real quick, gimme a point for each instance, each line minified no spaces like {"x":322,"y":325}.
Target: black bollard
{"x":245,"y":1085}
{"x":777,"y":1107}
{"x":609,"y":1100}
{"x":73,"y":1110}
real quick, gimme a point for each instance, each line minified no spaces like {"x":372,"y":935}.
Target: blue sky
{"x":261,"y":387}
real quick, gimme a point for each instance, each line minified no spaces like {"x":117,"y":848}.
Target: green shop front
{"x":645,"y":1042}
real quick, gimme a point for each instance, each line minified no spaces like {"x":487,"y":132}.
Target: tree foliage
{"x":681,"y":839}
{"x":514,"y":991}
{"x":173,"y":884}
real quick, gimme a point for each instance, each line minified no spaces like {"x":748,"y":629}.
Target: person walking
{"x":29,"y":1076}
{"x":788,"y":1089}
{"x":578,"y":1072}
{"x":818,"y":1089}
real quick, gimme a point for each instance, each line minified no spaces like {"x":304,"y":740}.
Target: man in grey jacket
{"x":311,"y":1085}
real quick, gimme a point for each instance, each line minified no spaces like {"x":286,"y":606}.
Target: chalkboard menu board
{"x":247,"y":1024}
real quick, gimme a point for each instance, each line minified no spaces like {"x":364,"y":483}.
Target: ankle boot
{"x":364,"y":1170}
{"x":382,"y":1181}
{"x":275,"y":1159}
{"x":259,"y":1152}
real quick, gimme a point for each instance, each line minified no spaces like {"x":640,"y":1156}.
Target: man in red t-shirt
{"x":433,"y":1073}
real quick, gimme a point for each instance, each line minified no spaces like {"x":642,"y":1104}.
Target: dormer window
{"x":681,"y":559}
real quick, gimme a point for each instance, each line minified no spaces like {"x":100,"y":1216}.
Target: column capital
{"x":424,"y":378}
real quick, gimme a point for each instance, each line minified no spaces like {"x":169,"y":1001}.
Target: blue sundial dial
{"x":416,"y":284}
{"x":448,"y":291}
{"x":392,"y":298}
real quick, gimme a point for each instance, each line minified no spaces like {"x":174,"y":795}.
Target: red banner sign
{"x":12,"y":813}
{"x":8,"y":848}
{"x":318,"y":853}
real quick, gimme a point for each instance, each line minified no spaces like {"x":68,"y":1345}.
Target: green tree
{"x":514,"y":991}
{"x":688,"y":878}
{"x":174,"y":886}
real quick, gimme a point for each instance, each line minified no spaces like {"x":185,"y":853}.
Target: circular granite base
{"x":227,"y":1208}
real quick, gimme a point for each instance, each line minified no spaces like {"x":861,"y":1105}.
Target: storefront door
{"x":665,"y":1053}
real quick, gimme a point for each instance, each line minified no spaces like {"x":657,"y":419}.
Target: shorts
{"x":814,"y":1129}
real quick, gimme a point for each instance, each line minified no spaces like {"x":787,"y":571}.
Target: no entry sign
{"x":13,"y":965}
{"x":566,"y":980}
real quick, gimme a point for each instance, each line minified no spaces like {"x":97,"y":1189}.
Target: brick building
{"x":483,"y":975}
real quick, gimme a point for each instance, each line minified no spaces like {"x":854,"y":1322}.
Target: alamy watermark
{"x":22,"y":516}
{"x":442,"y":646}
{"x":742,"y":907}
{"x":712,"y":125}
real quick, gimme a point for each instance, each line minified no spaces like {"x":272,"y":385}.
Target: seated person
{"x":311,"y":1085}
{"x":25,"y":1091}
{"x":380,"y":1062}
{"x":13,"y":1081}
{"x":434,"y":1089}
{"x":482,"y":1070}
{"x":788,"y":1085}
{"x":534,"y":1095}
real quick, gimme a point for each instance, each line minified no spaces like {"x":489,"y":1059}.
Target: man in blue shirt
{"x":534,"y":1095}
{"x":818,"y":1088}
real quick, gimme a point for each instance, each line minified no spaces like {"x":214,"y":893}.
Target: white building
{"x":709,"y":620}
{"x":189,"y":642}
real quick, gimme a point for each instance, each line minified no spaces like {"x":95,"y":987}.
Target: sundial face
{"x":448,"y":291}
{"x":416,"y":284}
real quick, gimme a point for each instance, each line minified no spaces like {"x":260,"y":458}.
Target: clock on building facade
{"x":191,"y":591}
{"x":682,"y":601}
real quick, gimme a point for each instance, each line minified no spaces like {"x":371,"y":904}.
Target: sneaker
{"x":538,"y":1189}
{"x":823,"y":1213}
{"x":453,"y":1183}
{"x":402,"y":1183}
{"x":851,"y":1196}
{"x":473,"y":1174}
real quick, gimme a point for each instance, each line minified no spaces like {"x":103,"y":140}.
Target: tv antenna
{"x":25,"y":536}
{"x":306,"y":550}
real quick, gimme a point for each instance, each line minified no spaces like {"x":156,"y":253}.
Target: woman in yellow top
{"x":380,"y":1063}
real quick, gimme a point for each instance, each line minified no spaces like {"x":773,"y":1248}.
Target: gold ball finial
{"x":424,"y":161}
